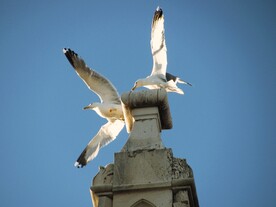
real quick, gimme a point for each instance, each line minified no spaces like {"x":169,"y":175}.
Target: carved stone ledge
{"x":144,"y":99}
{"x":181,"y":169}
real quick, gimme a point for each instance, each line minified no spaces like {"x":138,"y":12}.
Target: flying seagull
{"x":159,"y":78}
{"x":109,"y":108}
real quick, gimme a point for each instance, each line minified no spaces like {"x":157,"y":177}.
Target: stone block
{"x":145,"y":198}
{"x":146,"y":130}
{"x":142,"y":168}
{"x":105,"y":201}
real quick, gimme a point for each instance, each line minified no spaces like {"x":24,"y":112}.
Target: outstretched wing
{"x":105,"y":135}
{"x":94,"y":81}
{"x":158,"y":44}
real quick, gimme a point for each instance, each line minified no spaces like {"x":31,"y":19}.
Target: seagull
{"x":159,"y":78}
{"x":109,"y":108}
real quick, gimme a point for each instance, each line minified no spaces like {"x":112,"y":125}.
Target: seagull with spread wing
{"x":159,"y":78}
{"x":109,"y":108}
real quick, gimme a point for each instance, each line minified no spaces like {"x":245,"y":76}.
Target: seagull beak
{"x":88,"y":107}
{"x":134,"y":87}
{"x":188,"y":84}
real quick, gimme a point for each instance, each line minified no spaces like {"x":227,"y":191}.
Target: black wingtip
{"x":189,"y":84}
{"x":158,"y":8}
{"x":65,"y":50}
{"x":78,"y":165}
{"x":157,"y":14}
{"x":81,"y":161}
{"x":69,"y":55}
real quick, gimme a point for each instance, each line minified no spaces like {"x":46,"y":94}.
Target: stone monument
{"x":145,"y":173}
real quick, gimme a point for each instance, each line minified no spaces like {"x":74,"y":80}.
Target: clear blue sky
{"x":224,"y":125}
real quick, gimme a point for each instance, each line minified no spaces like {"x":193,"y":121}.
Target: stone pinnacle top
{"x":145,"y":99}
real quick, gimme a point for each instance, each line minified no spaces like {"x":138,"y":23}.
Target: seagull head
{"x":137,"y":84}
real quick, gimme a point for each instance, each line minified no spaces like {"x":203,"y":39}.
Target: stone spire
{"x":145,"y":173}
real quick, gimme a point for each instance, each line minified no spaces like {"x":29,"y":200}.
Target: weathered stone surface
{"x":105,"y":201}
{"x":181,"y":169}
{"x":145,"y":178}
{"x":145,"y":198}
{"x":181,"y":199}
{"x":146,"y":130}
{"x":104,"y":176}
{"x":102,"y":184}
{"x":142,"y":167}
{"x":143,"y":203}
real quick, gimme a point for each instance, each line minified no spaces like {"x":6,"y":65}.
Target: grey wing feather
{"x":94,"y":80}
{"x":105,"y":135}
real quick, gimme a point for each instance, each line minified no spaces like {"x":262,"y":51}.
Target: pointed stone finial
{"x":146,"y":113}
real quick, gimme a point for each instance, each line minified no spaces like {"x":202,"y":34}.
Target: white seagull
{"x":159,"y":78}
{"x":109,"y":108}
